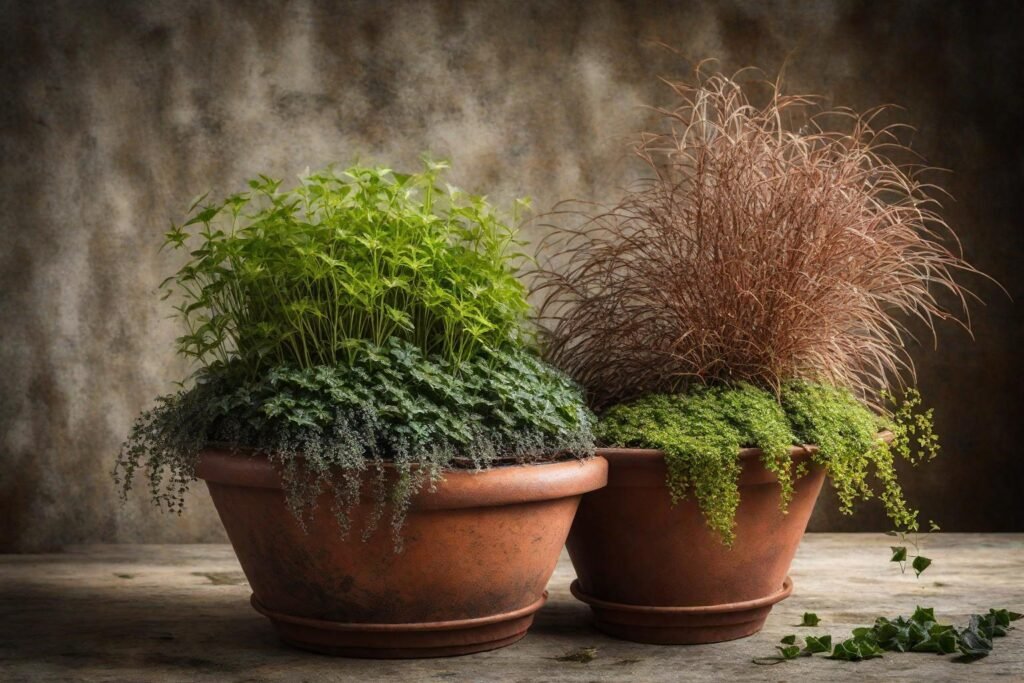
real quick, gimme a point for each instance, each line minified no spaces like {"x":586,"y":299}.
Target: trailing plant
{"x":767,"y":243}
{"x":910,"y":538}
{"x":701,"y":433}
{"x":363,"y":323}
{"x":918,"y":633}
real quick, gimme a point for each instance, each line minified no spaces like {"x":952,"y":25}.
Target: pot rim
{"x":745,"y":454}
{"x":504,"y":485}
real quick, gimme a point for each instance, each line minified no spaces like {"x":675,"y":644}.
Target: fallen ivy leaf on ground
{"x":810,"y":619}
{"x":918,"y":633}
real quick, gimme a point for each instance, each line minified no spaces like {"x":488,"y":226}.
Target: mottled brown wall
{"x":115,"y":114}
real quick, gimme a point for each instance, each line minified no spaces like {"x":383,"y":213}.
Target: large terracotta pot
{"x":655,"y":573}
{"x":478,"y":553}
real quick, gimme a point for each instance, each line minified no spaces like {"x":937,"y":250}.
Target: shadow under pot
{"x":655,"y":573}
{"x":478,"y":553}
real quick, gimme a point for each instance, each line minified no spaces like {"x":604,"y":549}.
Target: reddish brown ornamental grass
{"x":754,"y":252}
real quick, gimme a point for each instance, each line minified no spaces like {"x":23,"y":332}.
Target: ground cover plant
{"x":757,"y":288}
{"x":920,"y":632}
{"x":361,"y":320}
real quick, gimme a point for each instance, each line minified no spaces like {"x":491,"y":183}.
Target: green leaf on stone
{"x":810,"y":619}
{"x":789,"y":652}
{"x":818,"y":644}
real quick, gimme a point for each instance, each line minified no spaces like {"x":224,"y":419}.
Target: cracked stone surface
{"x":181,"y":612}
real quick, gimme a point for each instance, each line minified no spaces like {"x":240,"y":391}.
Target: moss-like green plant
{"x":364,"y":317}
{"x":702,"y":431}
{"x":328,"y":425}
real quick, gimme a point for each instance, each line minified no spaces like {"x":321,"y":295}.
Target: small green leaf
{"x":923,"y":615}
{"x":810,"y":619}
{"x":788,"y":640}
{"x":920,"y":563}
{"x":789,"y":652}
{"x":818,"y":644}
{"x":899,"y":553}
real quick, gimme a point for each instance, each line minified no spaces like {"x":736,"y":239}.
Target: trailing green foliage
{"x":918,"y":633}
{"x":327,"y":425}
{"x":702,"y":431}
{"x":809,"y":619}
{"x":911,"y":537}
{"x":295,"y":277}
{"x":362,"y":325}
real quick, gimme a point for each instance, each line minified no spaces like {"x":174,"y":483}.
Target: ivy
{"x":918,"y":633}
{"x":809,"y":619}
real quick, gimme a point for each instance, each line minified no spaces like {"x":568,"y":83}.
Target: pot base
{"x":402,"y":641}
{"x":681,"y":625}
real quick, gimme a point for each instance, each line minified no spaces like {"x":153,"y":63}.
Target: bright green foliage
{"x":702,"y":431}
{"x":790,"y":648}
{"x":296,"y":277}
{"x":392,"y":404}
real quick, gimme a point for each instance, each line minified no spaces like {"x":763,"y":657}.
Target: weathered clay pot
{"x":478,"y":553}
{"x":655,"y":573}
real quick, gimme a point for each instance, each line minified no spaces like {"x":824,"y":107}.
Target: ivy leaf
{"x":918,"y":633}
{"x":855,"y":650}
{"x":818,"y":644}
{"x":923,"y":616}
{"x":920,"y":563}
{"x":899,"y":553}
{"x":810,"y":619}
{"x":973,"y":643}
{"x":789,"y":652}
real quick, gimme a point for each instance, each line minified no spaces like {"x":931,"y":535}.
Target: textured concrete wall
{"x":115,"y":114}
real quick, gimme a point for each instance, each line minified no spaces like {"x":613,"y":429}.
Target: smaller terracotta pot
{"x":654,"y":573}
{"x":478,"y":553}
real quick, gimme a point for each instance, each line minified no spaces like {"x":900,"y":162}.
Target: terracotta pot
{"x":478,"y":554}
{"x":654,"y":573}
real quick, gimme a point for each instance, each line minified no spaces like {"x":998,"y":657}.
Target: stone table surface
{"x":181,"y":613}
